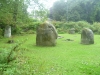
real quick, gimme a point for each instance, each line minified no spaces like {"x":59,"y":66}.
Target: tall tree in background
{"x":12,"y":12}
{"x":39,"y":10}
{"x":16,"y":9}
{"x":57,"y":12}
{"x":87,"y":10}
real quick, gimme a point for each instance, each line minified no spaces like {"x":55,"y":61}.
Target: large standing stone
{"x":7,"y":32}
{"x":87,"y":36}
{"x":46,"y":35}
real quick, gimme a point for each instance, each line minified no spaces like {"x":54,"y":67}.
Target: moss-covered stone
{"x":87,"y":36}
{"x":46,"y":35}
{"x":71,"y":31}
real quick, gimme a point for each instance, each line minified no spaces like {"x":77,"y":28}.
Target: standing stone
{"x":46,"y":35}
{"x":87,"y":36}
{"x":7,"y":32}
{"x":71,"y":31}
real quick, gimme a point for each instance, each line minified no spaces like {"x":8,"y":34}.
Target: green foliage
{"x":4,"y":53}
{"x":1,"y":31}
{"x":16,"y":29}
{"x":7,"y":18}
{"x":31,"y":27}
{"x":4,"y":57}
{"x":13,"y":13}
{"x":8,"y":59}
{"x":82,"y":24}
{"x":11,"y":10}
{"x":96,"y":27}
{"x":34,"y":25}
{"x":40,"y":14}
{"x":79,"y":10}
{"x":64,"y":27}
{"x":58,"y":14}
{"x":30,"y":32}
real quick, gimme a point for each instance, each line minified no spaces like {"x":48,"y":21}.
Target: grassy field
{"x":66,"y":58}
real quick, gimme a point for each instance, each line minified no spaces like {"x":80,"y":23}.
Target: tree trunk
{"x":15,"y":12}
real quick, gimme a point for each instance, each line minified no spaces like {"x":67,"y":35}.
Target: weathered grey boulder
{"x":87,"y":36}
{"x":46,"y":35}
{"x":7,"y":32}
{"x":71,"y":31}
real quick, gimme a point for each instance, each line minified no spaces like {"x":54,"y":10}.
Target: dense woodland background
{"x":65,"y":14}
{"x":77,"y":10}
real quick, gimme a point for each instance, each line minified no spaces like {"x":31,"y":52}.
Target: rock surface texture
{"x":46,"y":35}
{"x":87,"y":36}
{"x":7,"y":32}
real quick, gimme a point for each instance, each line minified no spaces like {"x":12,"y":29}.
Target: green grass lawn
{"x":66,"y":58}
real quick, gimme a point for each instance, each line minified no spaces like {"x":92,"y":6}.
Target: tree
{"x":87,"y":10}
{"x":57,"y":12}
{"x":39,"y":10}
{"x":12,"y":12}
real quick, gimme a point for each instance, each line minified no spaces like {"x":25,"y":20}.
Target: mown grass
{"x":66,"y":58}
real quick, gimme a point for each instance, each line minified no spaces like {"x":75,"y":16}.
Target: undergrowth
{"x":7,"y":56}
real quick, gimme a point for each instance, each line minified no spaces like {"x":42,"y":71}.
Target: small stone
{"x":71,"y":31}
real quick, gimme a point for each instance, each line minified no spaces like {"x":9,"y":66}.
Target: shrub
{"x":63,"y":27}
{"x":96,"y":27}
{"x":30,"y":27}
{"x":7,"y":56}
{"x":61,"y":30}
{"x":31,"y":32}
{"x":1,"y":32}
{"x":80,"y":25}
{"x":4,"y":53}
{"x":4,"y":57}
{"x":16,"y":29}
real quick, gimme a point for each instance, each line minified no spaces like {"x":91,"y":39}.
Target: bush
{"x":61,"y":30}
{"x":31,"y":32}
{"x":80,"y":25}
{"x":30,"y":27}
{"x":63,"y":27}
{"x":33,"y":25}
{"x":1,"y":32}
{"x":96,"y":27}
{"x":4,"y":54}
{"x":6,"y":58}
{"x":16,"y":29}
